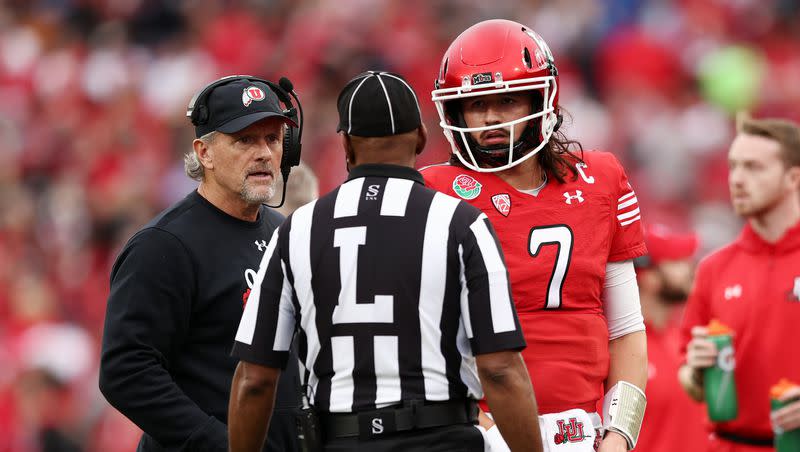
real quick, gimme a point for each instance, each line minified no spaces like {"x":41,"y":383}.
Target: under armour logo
{"x":733,"y":292}
{"x":577,"y":196}
{"x":261,"y":244}
{"x":377,"y":426}
{"x":796,"y":289}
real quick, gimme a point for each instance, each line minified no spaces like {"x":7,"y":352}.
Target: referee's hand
{"x":700,"y":352}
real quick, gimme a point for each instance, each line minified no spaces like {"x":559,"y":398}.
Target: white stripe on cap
{"x":350,"y":107}
{"x":388,"y":101}
{"x":407,"y":86}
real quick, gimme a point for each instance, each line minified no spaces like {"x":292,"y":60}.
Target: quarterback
{"x":569,"y":225}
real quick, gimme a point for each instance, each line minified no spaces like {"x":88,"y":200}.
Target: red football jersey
{"x":556,"y":246}
{"x":753,"y":287}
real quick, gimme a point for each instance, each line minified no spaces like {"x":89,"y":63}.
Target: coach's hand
{"x":613,"y":442}
{"x":700,"y":353}
{"x":788,"y":417}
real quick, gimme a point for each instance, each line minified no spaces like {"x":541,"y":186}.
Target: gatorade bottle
{"x":784,"y":441}
{"x":718,"y":381}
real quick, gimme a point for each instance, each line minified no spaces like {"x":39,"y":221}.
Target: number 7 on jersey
{"x":561,"y":236}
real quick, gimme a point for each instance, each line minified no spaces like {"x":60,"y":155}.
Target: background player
{"x":302,"y":188}
{"x":753,"y":285}
{"x":569,"y":226}
{"x":665,"y":277}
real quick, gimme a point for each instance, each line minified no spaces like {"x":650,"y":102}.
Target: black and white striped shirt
{"x":395,"y":288}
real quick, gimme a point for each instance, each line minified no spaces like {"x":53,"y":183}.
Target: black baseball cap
{"x":378,"y":104}
{"x":235,"y":105}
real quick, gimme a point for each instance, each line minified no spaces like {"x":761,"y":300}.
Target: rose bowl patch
{"x":466,"y":186}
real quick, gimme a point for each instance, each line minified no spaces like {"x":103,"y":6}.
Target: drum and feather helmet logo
{"x":252,"y":93}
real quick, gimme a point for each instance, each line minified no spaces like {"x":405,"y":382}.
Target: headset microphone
{"x":286,"y":84}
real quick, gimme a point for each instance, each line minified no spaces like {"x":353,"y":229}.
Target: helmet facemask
{"x":539,"y":125}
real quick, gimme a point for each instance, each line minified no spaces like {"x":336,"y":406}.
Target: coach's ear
{"x":349,"y":153}
{"x":205,"y":154}
{"x":422,"y":138}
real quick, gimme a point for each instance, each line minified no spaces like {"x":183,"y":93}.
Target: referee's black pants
{"x":450,"y":438}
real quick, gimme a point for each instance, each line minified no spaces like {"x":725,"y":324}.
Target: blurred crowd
{"x":92,"y":132}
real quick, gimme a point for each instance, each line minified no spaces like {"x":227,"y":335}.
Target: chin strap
{"x":623,"y":411}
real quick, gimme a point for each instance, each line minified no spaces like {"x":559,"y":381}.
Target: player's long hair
{"x":558,"y":157}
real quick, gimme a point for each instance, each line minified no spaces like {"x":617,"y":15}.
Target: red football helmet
{"x":491,"y":57}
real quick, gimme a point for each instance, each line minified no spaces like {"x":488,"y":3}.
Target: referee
{"x":401,"y":299}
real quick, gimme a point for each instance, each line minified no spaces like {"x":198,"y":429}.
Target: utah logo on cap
{"x":252,"y":93}
{"x":502,"y":202}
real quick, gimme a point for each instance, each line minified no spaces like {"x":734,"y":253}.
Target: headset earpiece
{"x":198,"y":110}
{"x":291,"y":139}
{"x":291,"y":143}
{"x":200,"y":115}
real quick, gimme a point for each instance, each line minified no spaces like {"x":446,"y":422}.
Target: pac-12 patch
{"x":466,"y":186}
{"x":502,"y":202}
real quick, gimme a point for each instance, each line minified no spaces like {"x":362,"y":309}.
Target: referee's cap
{"x":378,"y":104}
{"x":665,"y":244}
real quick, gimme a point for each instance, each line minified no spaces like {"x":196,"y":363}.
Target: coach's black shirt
{"x":177,"y":291}
{"x":396,"y":289}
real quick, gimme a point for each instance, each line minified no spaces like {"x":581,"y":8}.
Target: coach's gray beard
{"x":251,"y":196}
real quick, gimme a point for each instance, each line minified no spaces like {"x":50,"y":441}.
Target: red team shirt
{"x":556,"y":247}
{"x":753,"y":287}
{"x":672,"y":420}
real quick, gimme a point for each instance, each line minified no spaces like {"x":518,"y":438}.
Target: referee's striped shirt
{"x":395,"y":288}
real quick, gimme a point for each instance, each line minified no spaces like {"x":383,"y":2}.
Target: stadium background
{"x":92,"y":131}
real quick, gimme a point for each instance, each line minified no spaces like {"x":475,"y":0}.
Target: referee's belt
{"x":749,"y":440}
{"x":411,"y":415}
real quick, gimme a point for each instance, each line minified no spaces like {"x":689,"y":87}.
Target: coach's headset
{"x":198,"y":113}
